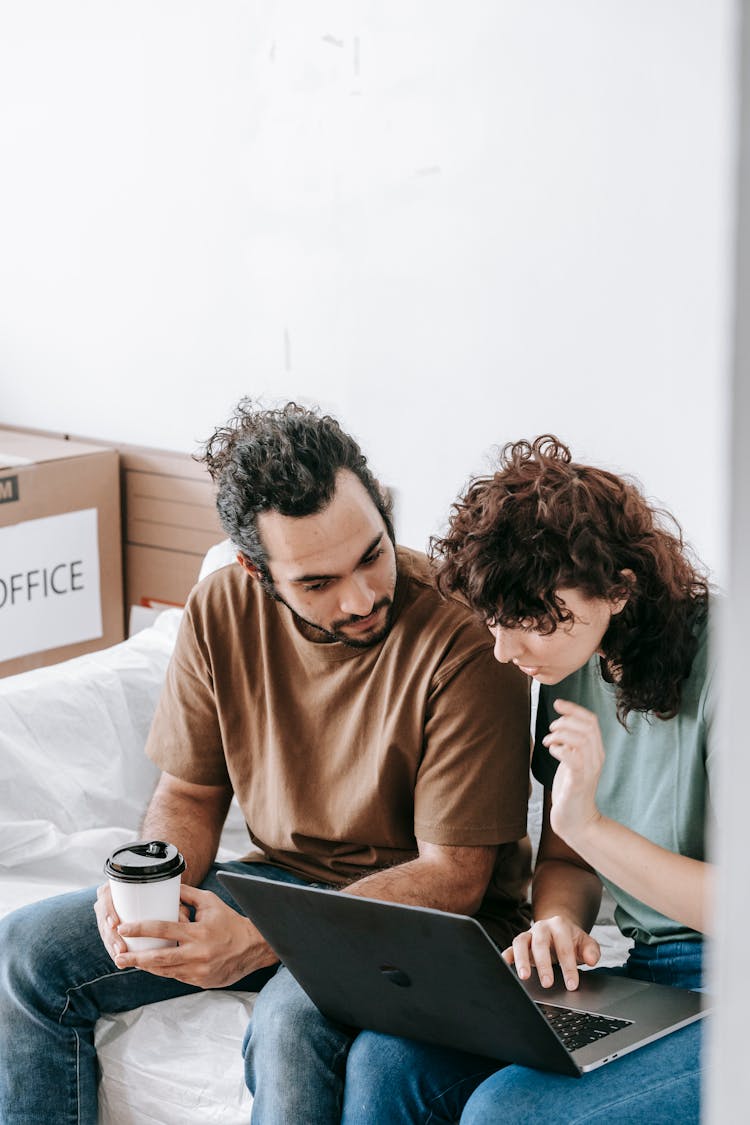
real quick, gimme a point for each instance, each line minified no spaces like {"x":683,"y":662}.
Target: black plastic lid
{"x":144,"y":861}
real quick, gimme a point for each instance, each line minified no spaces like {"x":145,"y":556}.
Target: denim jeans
{"x":305,"y":1068}
{"x":56,"y":978}
{"x":659,"y":1084}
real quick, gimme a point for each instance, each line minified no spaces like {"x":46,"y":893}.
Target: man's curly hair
{"x":544,"y":523}
{"x":281,"y":460}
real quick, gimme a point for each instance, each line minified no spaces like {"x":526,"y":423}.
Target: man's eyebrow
{"x":327,"y":577}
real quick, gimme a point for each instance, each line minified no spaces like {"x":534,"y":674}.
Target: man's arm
{"x":220,"y":946}
{"x":445,"y":878}
{"x":191,"y":817}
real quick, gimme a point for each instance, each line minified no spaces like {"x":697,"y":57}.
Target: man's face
{"x":336,"y":569}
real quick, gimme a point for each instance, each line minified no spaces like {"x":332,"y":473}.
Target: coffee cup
{"x":144,"y":878}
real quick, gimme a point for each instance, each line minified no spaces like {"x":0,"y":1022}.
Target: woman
{"x":588,"y":590}
{"x":591,"y":592}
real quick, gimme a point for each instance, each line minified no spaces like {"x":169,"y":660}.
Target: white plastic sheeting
{"x":74,"y":780}
{"x":74,"y":783}
{"x":176,"y":1062}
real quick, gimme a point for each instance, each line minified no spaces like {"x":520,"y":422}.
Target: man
{"x":372,"y":741}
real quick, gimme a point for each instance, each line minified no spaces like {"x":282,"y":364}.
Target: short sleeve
{"x":473,"y":782}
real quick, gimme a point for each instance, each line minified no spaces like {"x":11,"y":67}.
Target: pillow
{"x":218,"y":556}
{"x":72,"y":737}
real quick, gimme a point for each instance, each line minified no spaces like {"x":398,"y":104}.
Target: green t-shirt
{"x":656,"y":777}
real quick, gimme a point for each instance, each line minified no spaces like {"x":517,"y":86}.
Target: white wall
{"x":451,"y":224}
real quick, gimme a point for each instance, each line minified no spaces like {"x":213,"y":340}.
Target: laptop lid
{"x":427,"y":974}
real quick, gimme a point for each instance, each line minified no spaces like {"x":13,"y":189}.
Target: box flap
{"x":18,"y":448}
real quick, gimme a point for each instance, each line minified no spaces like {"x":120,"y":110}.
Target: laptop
{"x":426,"y":974}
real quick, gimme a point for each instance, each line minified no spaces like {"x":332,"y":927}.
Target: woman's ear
{"x":624,"y":589}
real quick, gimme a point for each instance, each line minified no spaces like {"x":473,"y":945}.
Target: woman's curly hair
{"x":544,"y":523}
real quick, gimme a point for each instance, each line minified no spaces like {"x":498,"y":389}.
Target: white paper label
{"x":50,"y":592}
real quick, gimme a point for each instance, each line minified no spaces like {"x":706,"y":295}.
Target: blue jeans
{"x":56,"y":978}
{"x":659,"y":1084}
{"x":305,"y":1068}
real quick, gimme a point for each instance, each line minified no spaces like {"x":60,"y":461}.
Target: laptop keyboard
{"x":577,"y":1029}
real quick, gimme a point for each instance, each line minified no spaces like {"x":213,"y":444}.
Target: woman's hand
{"x":549,"y":940}
{"x":575,"y":740}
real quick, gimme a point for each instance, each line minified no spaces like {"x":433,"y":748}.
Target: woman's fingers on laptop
{"x":549,"y":940}
{"x":591,"y":951}
{"x":532,"y":948}
{"x":584,"y":950}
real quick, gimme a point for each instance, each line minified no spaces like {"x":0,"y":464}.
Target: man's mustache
{"x":355,"y":618}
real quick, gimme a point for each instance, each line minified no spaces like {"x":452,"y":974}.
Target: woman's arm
{"x":565,"y":896}
{"x":563,"y":884}
{"x":675,"y":885}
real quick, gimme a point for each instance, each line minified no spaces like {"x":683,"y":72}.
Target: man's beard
{"x":373,"y":639}
{"x":334,"y":634}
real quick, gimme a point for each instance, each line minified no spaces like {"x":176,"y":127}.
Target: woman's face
{"x":550,"y":658}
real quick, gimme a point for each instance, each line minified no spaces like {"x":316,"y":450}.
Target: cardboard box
{"x":60,"y":550}
{"x":170,"y":523}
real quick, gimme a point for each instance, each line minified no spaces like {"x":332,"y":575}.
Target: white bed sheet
{"x":178,"y":1062}
{"x":73,"y":776}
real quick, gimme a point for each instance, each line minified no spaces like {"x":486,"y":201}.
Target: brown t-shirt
{"x":341,"y":757}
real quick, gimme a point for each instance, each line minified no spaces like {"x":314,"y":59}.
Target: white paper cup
{"x":144,"y":878}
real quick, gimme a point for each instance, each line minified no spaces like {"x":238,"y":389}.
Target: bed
{"x":73,"y":785}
